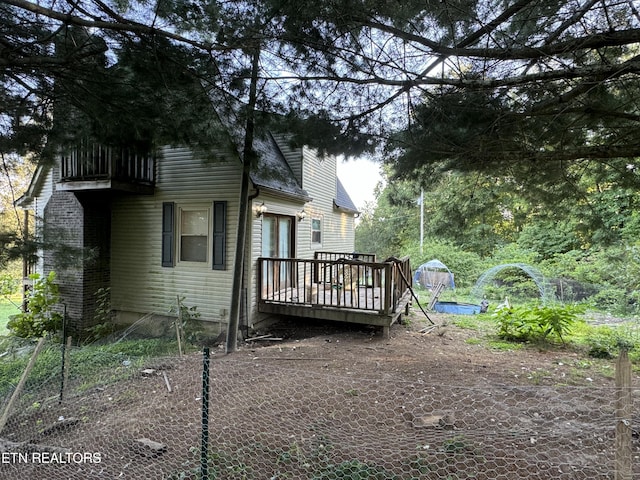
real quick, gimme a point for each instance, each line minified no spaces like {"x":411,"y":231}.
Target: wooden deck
{"x":342,"y":287}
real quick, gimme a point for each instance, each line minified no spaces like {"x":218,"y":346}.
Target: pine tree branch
{"x":468,"y":40}
{"x":119,"y":24}
{"x":595,"y":41}
{"x":593,"y":152}
{"x":595,"y":72}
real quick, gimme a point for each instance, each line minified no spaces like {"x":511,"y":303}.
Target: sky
{"x":359,"y":177}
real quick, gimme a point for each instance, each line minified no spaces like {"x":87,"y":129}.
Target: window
{"x":194,"y":234}
{"x":316,"y":230}
{"x":189,"y":233}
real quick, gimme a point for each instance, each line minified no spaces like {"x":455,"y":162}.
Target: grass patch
{"x":90,"y":365}
{"x":605,"y":341}
{"x":7,"y":308}
{"x":481,"y":323}
{"x":503,"y":346}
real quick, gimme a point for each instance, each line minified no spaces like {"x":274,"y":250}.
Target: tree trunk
{"x":241,"y":239}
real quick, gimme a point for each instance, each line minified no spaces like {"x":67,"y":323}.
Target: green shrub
{"x":8,"y":285}
{"x":40,"y":318}
{"x":615,"y":300}
{"x":533,"y":322}
{"x":603,"y":343}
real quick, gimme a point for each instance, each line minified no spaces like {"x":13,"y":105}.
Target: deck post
{"x":388,"y":287}
{"x":624,"y":418}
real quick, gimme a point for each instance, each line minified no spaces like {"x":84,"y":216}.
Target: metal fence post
{"x":204,"y":448}
{"x":64,"y":353}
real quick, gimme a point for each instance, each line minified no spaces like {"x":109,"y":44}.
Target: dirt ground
{"x":325,"y":400}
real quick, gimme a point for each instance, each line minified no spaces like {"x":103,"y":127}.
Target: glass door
{"x":277,"y":242}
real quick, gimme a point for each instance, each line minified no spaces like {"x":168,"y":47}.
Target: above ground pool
{"x":456,"y":308}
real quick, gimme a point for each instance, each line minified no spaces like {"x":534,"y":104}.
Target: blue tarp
{"x":457,"y":308}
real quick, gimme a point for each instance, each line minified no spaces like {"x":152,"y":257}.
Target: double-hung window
{"x":316,"y":230}
{"x":194,"y":234}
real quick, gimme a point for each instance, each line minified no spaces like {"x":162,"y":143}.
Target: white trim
{"x":194,"y":207}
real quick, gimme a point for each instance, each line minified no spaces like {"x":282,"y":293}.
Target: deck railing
{"x":92,"y":161}
{"x":364,"y":257}
{"x":334,"y":281}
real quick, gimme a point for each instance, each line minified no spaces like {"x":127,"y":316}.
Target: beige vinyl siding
{"x":39,"y":204}
{"x":293,"y":156}
{"x":319,"y":179}
{"x":141,"y":285}
{"x":43,"y":190}
{"x":45,"y":193}
{"x":139,"y":282}
{"x":255,"y":252}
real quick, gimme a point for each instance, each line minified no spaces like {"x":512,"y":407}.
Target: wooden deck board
{"x":331,"y":304}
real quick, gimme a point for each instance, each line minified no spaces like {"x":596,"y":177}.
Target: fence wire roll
{"x":282,"y":412}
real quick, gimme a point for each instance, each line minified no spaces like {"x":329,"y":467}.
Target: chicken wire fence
{"x":127,"y":415}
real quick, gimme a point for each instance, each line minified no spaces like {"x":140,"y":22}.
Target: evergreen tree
{"x":521,"y":90}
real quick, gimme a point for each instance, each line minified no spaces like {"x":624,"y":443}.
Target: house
{"x":152,"y":229}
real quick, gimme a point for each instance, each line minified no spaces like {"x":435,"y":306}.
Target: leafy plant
{"x":103,"y":316}
{"x":185,"y":315}
{"x":8,"y":286}
{"x":602,"y":343}
{"x":183,"y":312}
{"x":98,"y":331}
{"x":103,"y":312}
{"x":536,"y":322}
{"x":40,"y":317}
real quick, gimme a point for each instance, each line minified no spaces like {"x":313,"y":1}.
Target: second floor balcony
{"x":95,"y":167}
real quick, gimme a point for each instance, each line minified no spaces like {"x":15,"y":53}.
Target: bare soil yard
{"x":331,"y":401}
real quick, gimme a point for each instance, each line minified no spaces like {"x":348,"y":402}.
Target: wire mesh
{"x":283,"y":413}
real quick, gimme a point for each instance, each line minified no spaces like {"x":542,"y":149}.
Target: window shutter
{"x":219,"y":235}
{"x":168,"y":235}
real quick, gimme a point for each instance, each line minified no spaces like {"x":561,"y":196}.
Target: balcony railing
{"x":92,"y":161}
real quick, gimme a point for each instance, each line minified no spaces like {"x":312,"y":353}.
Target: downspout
{"x":254,"y":196}
{"x":25,"y":261}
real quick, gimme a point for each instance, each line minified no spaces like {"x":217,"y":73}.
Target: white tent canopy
{"x":434,"y":272}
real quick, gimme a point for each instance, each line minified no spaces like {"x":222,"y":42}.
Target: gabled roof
{"x":343,"y":200}
{"x":272,"y":171}
{"x":34,"y":186}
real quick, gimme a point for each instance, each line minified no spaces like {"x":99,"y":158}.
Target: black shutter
{"x":168,"y":235}
{"x":219,"y":235}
